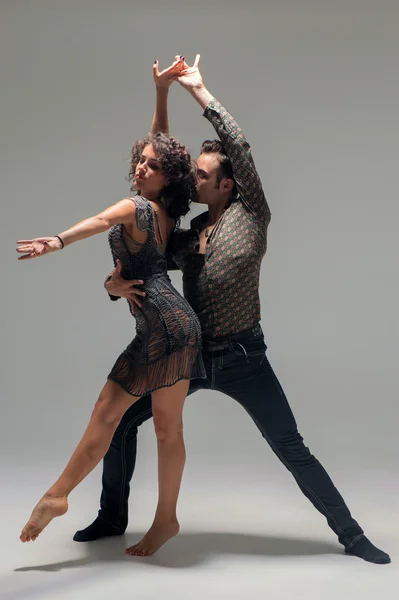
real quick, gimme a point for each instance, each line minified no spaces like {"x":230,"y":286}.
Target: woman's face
{"x":149,"y":178}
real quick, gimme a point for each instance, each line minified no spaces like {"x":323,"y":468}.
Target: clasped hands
{"x":188,"y":77}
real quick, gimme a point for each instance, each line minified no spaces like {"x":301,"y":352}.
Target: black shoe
{"x":98,"y":529}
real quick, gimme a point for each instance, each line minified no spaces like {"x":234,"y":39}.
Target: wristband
{"x":62,"y":243}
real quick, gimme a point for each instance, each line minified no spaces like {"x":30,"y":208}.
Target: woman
{"x":164,"y":355}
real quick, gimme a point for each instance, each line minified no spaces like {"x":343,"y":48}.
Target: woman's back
{"x":141,"y":245}
{"x":168,"y":336}
{"x":164,"y":225}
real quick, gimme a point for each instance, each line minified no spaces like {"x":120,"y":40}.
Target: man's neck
{"x":215,"y":212}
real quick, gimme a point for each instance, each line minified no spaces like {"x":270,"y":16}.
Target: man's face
{"x":208,"y":187}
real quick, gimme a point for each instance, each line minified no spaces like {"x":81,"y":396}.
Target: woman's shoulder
{"x":139,"y":201}
{"x":143,"y":211}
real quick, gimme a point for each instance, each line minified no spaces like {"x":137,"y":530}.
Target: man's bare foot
{"x":46,"y":509}
{"x":156,"y":536}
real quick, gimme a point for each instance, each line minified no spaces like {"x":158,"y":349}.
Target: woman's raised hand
{"x":166,"y":77}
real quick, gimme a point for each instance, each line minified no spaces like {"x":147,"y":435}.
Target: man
{"x":220,"y":257}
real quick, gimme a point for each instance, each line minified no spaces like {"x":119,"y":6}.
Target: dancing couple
{"x":210,"y":339}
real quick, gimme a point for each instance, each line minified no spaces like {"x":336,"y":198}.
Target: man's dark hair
{"x":225,"y":168}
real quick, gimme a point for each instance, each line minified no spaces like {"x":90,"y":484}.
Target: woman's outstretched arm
{"x":121,"y":212}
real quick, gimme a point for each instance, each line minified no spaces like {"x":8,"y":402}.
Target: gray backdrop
{"x":314,"y":86}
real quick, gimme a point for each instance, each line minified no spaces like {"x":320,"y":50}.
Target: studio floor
{"x":234,"y":544}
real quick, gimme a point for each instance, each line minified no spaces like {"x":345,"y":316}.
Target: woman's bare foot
{"x":46,"y":509}
{"x":156,"y":536}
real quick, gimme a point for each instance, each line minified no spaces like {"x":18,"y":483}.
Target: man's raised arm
{"x":236,"y":146}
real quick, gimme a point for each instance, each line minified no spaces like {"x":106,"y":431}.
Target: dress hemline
{"x":159,"y":387}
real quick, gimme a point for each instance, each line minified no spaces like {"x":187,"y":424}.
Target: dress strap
{"x":158,"y":227}
{"x":144,"y":214}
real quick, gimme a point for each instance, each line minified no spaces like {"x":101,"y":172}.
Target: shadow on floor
{"x":192,"y":549}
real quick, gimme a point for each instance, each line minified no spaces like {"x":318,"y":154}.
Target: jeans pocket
{"x":252,"y":350}
{"x":251,"y":347}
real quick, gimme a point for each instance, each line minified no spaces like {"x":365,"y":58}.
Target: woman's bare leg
{"x":108,"y":411}
{"x":167,"y":409}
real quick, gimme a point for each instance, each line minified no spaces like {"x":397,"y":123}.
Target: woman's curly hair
{"x":177,"y":166}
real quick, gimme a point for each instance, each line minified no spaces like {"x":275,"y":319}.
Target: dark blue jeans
{"x":237,"y":367}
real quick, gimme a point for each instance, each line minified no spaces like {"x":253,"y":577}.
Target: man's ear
{"x":227,"y":184}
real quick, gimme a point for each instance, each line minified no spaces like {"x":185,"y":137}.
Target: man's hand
{"x":117,"y":286}
{"x":165,"y":78}
{"x":191,"y":80}
{"x":191,"y":77}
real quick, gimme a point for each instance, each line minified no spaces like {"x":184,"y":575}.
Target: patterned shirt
{"x":222,"y":285}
